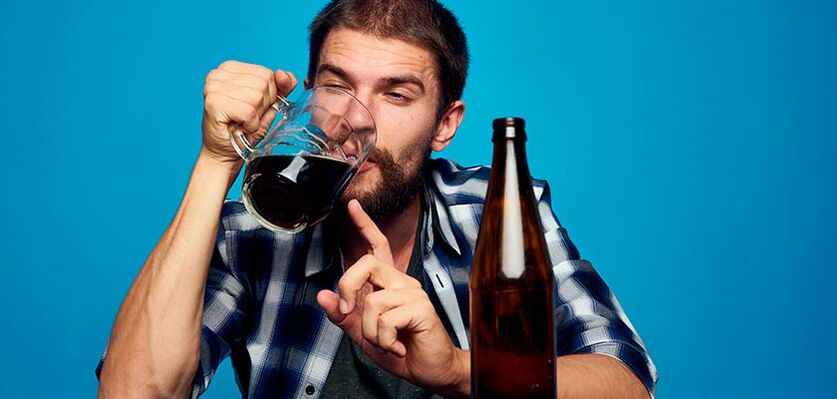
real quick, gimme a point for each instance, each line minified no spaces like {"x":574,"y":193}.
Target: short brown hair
{"x":425,"y":23}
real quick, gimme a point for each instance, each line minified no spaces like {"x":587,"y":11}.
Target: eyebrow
{"x":403,"y":79}
{"x":340,"y":72}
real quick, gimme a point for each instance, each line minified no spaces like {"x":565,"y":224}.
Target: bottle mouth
{"x":509,"y":128}
{"x":511,"y":121}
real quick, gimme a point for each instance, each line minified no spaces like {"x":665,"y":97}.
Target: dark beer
{"x":293,"y":191}
{"x":512,"y":330}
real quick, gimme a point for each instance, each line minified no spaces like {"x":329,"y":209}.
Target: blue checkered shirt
{"x":260,"y":308}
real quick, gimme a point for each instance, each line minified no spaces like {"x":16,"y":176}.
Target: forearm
{"x":460,"y":387}
{"x":155,"y":343}
{"x":579,"y":376}
{"x":597,"y":376}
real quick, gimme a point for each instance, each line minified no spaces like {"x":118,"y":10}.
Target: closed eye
{"x":335,"y":86}
{"x":397,"y":97}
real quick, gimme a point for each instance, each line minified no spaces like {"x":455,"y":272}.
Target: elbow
{"x":631,"y":383}
{"x":135,"y":381}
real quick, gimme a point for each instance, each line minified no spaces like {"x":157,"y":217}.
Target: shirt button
{"x":309,"y":390}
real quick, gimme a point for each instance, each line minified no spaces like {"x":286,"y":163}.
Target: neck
{"x":399,"y":229}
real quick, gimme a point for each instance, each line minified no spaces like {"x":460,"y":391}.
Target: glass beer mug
{"x":299,"y":169}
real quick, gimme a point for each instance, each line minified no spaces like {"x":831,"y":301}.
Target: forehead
{"x":371,"y":57}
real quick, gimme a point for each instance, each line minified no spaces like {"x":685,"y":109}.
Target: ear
{"x":447,"y":126}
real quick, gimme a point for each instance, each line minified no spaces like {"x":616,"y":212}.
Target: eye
{"x":335,"y":85}
{"x":398,"y":97}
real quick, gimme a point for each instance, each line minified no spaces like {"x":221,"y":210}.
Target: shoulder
{"x":234,"y":217}
{"x":458,"y":185}
{"x":241,"y":236}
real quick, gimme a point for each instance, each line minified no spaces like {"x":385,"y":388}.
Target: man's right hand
{"x":240,"y":94}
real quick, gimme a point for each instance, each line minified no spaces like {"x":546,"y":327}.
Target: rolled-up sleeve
{"x":224,"y":318}
{"x":588,"y":318}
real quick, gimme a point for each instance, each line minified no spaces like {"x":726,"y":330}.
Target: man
{"x":394,"y":323}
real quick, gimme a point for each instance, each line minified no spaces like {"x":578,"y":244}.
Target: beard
{"x":397,"y":187}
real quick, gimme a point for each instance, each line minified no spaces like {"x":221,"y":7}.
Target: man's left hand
{"x":388,"y":314}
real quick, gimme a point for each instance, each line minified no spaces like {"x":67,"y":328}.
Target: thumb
{"x":285,"y":81}
{"x":330,"y":302}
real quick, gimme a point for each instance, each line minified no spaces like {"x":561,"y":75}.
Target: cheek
{"x":403,"y":131}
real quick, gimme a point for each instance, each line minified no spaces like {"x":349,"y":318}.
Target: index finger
{"x":285,"y":81}
{"x":378,"y":242}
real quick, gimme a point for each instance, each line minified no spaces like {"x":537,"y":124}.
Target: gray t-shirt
{"x":354,"y":375}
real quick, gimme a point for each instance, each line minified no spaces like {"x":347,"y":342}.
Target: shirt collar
{"x":320,"y":254}
{"x":315,"y":261}
{"x":437,"y":223}
{"x":439,"y":217}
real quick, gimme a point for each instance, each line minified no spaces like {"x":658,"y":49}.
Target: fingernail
{"x":344,"y":306}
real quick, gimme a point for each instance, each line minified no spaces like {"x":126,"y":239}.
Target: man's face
{"x":398,"y":83}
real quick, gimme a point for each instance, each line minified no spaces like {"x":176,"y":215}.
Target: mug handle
{"x":239,"y":141}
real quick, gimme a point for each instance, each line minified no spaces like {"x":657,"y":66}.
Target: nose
{"x":353,"y":125}
{"x":360,"y":117}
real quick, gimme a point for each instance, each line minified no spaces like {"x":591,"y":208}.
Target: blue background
{"x":690,"y":148}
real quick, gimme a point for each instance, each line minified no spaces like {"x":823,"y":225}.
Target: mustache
{"x":381,"y":157}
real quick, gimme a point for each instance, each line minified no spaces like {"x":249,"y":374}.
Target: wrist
{"x":213,"y":164}
{"x":461,"y":386}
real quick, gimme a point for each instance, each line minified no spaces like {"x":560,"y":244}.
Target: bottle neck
{"x":509,"y":138}
{"x":510,"y":150}
{"x":510,"y":204}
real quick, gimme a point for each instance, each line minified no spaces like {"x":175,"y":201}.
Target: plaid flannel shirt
{"x":259,"y":310}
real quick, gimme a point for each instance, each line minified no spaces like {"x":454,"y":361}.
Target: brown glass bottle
{"x":512,"y":340}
